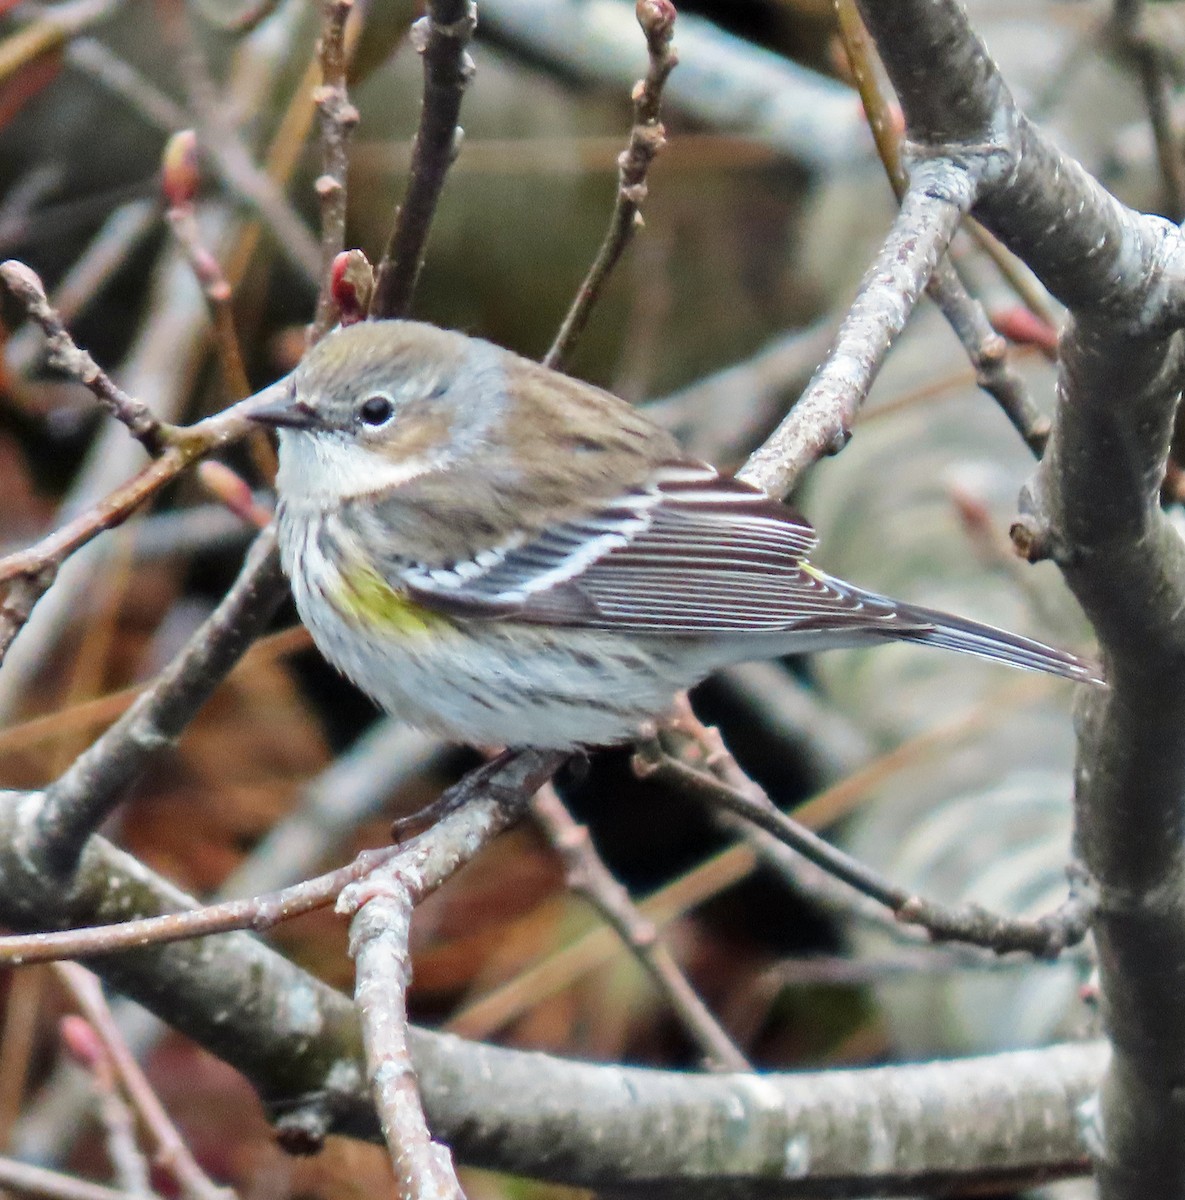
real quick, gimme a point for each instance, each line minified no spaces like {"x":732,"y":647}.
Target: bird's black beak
{"x":277,"y":405}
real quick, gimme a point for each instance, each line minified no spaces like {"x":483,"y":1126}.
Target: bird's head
{"x":379,"y":403}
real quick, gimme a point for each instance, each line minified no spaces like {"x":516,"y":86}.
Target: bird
{"x":501,"y":554}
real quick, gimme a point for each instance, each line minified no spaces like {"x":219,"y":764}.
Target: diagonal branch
{"x":80,"y":800}
{"x":940,"y":192}
{"x":588,"y":876}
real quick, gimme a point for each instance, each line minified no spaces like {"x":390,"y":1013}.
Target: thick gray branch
{"x":890,"y":1130}
{"x":1086,"y":247}
{"x":1095,"y":509}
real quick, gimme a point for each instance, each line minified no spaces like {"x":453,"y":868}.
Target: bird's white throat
{"x":324,"y":469}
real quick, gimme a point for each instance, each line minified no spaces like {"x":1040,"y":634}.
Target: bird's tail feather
{"x":985,"y":641}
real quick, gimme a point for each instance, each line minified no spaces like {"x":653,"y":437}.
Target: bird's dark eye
{"x":376,"y":410}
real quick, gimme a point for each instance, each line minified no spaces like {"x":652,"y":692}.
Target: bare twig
{"x":30,"y":572}
{"x":338,"y":118}
{"x":180,"y":185}
{"x":119,"y":1124}
{"x":381,"y":907}
{"x":65,"y":356}
{"x":1045,"y":937}
{"x":484,"y":1014}
{"x":441,"y":37}
{"x":1130,"y":24}
{"x":171,"y":1151}
{"x":26,"y":1179}
{"x":588,"y":876}
{"x":231,"y":157}
{"x":647,"y":137}
{"x":257,"y":913}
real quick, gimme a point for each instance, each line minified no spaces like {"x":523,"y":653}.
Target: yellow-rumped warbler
{"x":507,"y":556}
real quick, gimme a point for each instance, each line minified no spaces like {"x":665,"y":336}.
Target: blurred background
{"x":765,"y":208}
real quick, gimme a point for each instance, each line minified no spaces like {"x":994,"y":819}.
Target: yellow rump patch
{"x":369,"y":600}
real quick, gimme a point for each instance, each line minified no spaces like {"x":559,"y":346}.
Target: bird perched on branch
{"x":507,"y":556}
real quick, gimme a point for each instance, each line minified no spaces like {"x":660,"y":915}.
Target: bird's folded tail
{"x":934,"y":628}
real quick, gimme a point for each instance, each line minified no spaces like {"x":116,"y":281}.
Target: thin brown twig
{"x":171,"y":1151}
{"x":25,"y":287}
{"x":257,"y":913}
{"x":29,"y":573}
{"x":230,"y":155}
{"x":380,"y":906}
{"x":484,"y":1014}
{"x":180,"y":179}
{"x":184,"y":224}
{"x":441,"y":37}
{"x":338,"y":119}
{"x":647,"y":138}
{"x":587,"y":876}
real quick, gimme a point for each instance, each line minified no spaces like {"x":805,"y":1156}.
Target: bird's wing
{"x":693,"y":553}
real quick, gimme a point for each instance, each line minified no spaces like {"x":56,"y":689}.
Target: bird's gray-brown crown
{"x":366,"y":377}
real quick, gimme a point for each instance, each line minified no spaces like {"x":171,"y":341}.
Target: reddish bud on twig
{"x":657,"y":18}
{"x":1023,"y":327}
{"x":351,"y":285}
{"x":233,"y":491}
{"x":180,"y":172}
{"x":81,"y":1041}
{"x":973,"y":513}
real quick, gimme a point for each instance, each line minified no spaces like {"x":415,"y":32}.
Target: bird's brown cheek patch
{"x":417,"y":430}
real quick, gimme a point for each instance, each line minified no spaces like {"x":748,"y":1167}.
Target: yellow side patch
{"x":371,"y":601}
